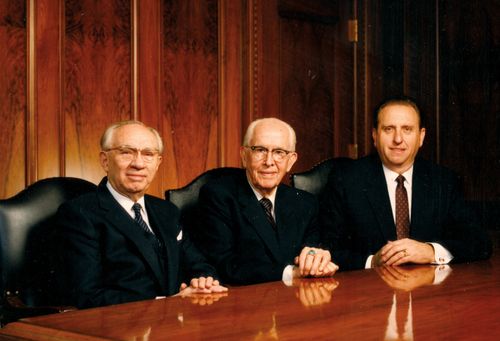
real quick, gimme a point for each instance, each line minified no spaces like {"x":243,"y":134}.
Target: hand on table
{"x":404,"y":251}
{"x":314,"y":262}
{"x":201,"y":285}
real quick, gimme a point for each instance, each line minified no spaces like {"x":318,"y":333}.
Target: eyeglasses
{"x":260,"y":153}
{"x":128,"y":154}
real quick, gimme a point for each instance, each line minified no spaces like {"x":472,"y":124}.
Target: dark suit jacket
{"x":107,"y":258}
{"x":237,"y":238}
{"x":357,"y":220}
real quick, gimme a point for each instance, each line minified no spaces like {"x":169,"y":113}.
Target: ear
{"x":422,"y":136}
{"x":104,"y":160}
{"x":291,"y":160}
{"x":374,"y":136}
{"x":243,"y":156}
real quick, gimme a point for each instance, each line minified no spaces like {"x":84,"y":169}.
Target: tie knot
{"x":137,"y":208}
{"x":267,"y":204}
{"x":400,"y":180}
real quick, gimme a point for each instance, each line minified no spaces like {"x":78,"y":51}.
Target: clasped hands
{"x":404,"y":251}
{"x":314,"y":262}
{"x":201,"y":285}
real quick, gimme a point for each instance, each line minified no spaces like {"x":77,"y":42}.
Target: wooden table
{"x":356,"y":305}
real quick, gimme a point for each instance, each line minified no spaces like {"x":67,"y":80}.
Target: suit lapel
{"x":375,"y":189}
{"x":123,"y":222}
{"x":256,"y":218}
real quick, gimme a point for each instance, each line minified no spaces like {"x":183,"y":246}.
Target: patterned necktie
{"x":402,"y":211}
{"x":138,"y":218}
{"x":268,"y":208}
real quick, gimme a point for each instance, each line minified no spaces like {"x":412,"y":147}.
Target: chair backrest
{"x":186,"y":198}
{"x":26,"y":231}
{"x":315,"y":179}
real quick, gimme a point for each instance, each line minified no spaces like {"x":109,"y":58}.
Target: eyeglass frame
{"x":266,"y":151}
{"x":135,"y":153}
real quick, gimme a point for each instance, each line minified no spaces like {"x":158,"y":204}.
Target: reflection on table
{"x":357,"y":305}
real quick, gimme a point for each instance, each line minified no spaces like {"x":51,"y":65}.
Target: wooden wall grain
{"x":200,"y":71}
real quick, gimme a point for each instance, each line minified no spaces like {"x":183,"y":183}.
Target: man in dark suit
{"x":120,"y":245}
{"x":368,"y":219}
{"x":252,"y":228}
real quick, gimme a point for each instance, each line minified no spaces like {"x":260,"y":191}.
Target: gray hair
{"x":107,"y":137}
{"x":251,"y":128}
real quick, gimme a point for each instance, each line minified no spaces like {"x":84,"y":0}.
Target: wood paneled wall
{"x":200,"y":71}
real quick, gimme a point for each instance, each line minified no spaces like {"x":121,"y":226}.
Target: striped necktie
{"x":267,"y":205}
{"x":138,"y":218}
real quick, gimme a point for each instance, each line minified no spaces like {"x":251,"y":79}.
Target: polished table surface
{"x":461,"y":302}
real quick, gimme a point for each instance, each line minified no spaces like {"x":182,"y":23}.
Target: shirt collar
{"x":124,"y":201}
{"x":259,"y":196}
{"x":390,"y":176}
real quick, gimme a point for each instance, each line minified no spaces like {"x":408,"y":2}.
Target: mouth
{"x":136,"y":177}
{"x":268,"y":174}
{"x":398,"y":150}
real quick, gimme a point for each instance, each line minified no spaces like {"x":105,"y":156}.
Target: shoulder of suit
{"x":434,"y":170}
{"x":159,"y":202}
{"x":295,"y":193}
{"x":227,"y":182}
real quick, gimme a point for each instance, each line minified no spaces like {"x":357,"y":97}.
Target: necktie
{"x":402,"y":211}
{"x":267,"y":205}
{"x":138,"y":218}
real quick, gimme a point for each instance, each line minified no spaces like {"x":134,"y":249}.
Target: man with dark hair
{"x":119,"y":244}
{"x":395,"y":208}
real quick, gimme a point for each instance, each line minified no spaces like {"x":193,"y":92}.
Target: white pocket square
{"x":179,"y":236}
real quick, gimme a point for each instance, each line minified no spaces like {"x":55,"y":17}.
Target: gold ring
{"x":405,"y":253}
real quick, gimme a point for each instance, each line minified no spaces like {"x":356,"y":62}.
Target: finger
{"x":201,"y":282}
{"x":307,"y":265}
{"x":194,"y":283}
{"x":215,"y":282}
{"x":302,"y":258}
{"x":397,"y":258}
{"x":317,"y":258}
{"x":209,"y":282}
{"x":324,"y":263}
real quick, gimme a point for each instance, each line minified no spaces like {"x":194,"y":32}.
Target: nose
{"x":398,"y":136}
{"x":269,"y":160}
{"x":138,"y":161}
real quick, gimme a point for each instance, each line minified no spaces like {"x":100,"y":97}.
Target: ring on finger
{"x":311,"y":252}
{"x":405,"y":253}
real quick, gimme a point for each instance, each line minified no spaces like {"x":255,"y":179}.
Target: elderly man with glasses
{"x":119,"y":244}
{"x":255,"y":229}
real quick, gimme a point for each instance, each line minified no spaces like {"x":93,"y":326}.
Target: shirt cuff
{"x":441,"y":255}
{"x":368,"y":263}
{"x":287,"y":276}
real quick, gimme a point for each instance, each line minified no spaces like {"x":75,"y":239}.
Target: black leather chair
{"x":186,"y":198}
{"x":315,"y":179}
{"x":27,"y":246}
